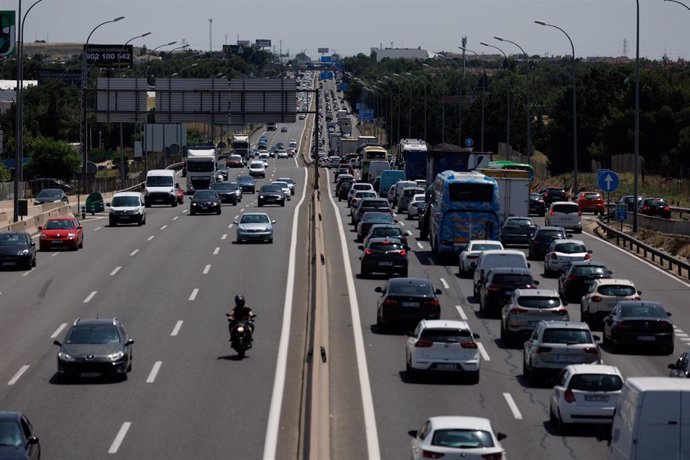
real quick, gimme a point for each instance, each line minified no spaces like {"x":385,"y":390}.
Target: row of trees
{"x":605,"y":106}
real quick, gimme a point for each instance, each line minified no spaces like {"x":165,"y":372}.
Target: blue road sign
{"x":607,"y":180}
{"x":621,"y":212}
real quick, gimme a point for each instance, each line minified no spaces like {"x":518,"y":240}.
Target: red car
{"x":591,"y":202}
{"x":61,"y":232}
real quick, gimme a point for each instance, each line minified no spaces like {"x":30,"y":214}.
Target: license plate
{"x":567,"y":358}
{"x":5,"y":264}
{"x":386,"y":264}
{"x":597,"y":398}
{"x":90,"y":374}
{"x":409,"y":304}
{"x":56,"y":242}
{"x":446,"y":366}
{"x":646,"y":338}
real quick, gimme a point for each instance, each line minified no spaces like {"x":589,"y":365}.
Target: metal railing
{"x":657,"y":256}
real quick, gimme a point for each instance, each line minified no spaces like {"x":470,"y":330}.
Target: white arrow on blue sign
{"x":607,"y":180}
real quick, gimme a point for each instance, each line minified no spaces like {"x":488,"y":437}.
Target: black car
{"x":344,"y":188}
{"x":247,"y":184}
{"x":369,"y":205}
{"x":654,"y":207}
{"x":17,"y":437}
{"x":499,"y":287}
{"x":629,"y":201}
{"x":536,"y":204}
{"x":639,"y":323}
{"x":225,"y":191}
{"x":51,"y":195}
{"x":95,"y":348}
{"x":575,"y":281}
{"x":541,"y":241}
{"x":517,"y":230}
{"x":271,"y":194}
{"x":206,"y":201}
{"x":17,"y":249}
{"x":551,"y":194}
{"x":383,"y":255}
{"x":370,"y":219}
{"x":406,"y":301}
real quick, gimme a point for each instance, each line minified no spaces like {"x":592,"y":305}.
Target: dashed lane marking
{"x":133,"y":253}
{"x":206,"y":269}
{"x":445,"y":284}
{"x":462,"y":314}
{"x":151,"y":237}
{"x":513,"y":407}
{"x":224,"y":237}
{"x":154,"y":372}
{"x":192,"y":296}
{"x":115,"y":270}
{"x":90,"y":296}
{"x":216,"y":251}
{"x":18,"y":375}
{"x":115,"y":446}
{"x":57,"y":332}
{"x":164,"y":227}
{"x":482,"y":351}
{"x":176,"y":329}
{"x":420,"y":245}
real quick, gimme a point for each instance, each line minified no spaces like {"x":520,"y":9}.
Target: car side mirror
{"x":565,"y":303}
{"x":129,"y":342}
{"x":412,"y":433}
{"x":32,"y":440}
{"x":668,"y":313}
{"x":235,"y":221}
{"x":501,"y":436}
{"x":589,"y":251}
{"x":40,"y":228}
{"x":177,"y":185}
{"x":107,"y":203}
{"x":438,"y":291}
{"x":672,"y":366}
{"x":360,"y":247}
{"x":476,"y":336}
{"x":596,"y":338}
{"x":33,"y":244}
{"x":610,"y":272}
{"x":409,"y":333}
{"x":639,"y":292}
{"x":536,"y":282}
{"x":57,"y":342}
{"x":378,"y":289}
{"x":79,"y":227}
{"x":273,"y":221}
{"x":529,"y":265}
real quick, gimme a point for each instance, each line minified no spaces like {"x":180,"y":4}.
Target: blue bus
{"x":412,"y":155}
{"x":463,"y":206}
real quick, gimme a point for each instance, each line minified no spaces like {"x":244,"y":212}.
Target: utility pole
{"x":462,"y":85}
{"x":210,"y":35}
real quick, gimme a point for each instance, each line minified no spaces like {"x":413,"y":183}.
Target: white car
{"x":585,"y":393}
{"x":564,"y":214}
{"x":257,"y":169}
{"x":291,"y":183}
{"x":415,"y":206}
{"x":602,"y":296}
{"x":282,"y":153}
{"x":359,"y":196}
{"x":457,"y":437}
{"x":467,"y":259}
{"x":292,"y":143}
{"x":286,"y":188}
{"x":358,"y":187}
{"x":442,"y":346}
{"x":562,"y":253}
{"x":127,"y":208}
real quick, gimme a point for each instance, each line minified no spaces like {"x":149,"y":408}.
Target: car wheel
{"x":174,"y":202}
{"x":363,"y":273}
{"x":112,"y":223}
{"x":260,"y":204}
{"x":412,"y":373}
{"x":668,"y":350}
{"x":505,"y":338}
{"x":218,"y":212}
{"x":192,"y":212}
{"x":33,"y":262}
{"x":532,"y":377}
{"x":403,"y":273}
{"x":140,"y":222}
{"x":147,"y":203}
{"x":474,"y":377}
{"x":282,"y":204}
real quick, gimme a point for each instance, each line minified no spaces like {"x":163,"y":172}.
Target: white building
{"x":400,"y":53}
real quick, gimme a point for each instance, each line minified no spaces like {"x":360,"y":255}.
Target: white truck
{"x":513,"y":191}
{"x":201,"y":165}
{"x":240,"y":145}
{"x":334,"y":142}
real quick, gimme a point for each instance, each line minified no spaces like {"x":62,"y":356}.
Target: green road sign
{"x":7,"y":33}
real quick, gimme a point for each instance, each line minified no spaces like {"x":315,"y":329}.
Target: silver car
{"x":254,"y":226}
{"x":527,"y":308}
{"x":285,"y":187}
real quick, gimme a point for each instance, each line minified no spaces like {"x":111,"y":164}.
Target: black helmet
{"x":239,"y":301}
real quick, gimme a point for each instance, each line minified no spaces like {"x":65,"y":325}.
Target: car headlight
{"x":71,"y":235}
{"x":116,"y":356}
{"x":172,"y":191}
{"x":23,"y":252}
{"x":193,"y":203}
{"x":64,"y":356}
{"x":261,"y":196}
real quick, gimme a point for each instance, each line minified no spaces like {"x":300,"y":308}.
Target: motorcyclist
{"x":241,"y":312}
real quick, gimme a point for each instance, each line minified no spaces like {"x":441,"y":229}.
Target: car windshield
{"x":244,"y":179}
{"x":377,"y":217}
{"x":256,"y":166}
{"x":419,"y":288}
{"x":49,"y":193}
{"x":657,"y":202}
{"x":463,"y":439}
{"x":59,"y":224}
{"x":539,"y":302}
{"x":592,"y":196}
{"x":13,"y":239}
{"x":362,"y":187}
{"x":643,"y":311}
{"x":595,"y":382}
{"x":587,"y":270}
{"x":375,"y":204}
{"x":93,"y":334}
{"x":10,"y":435}
{"x":570,"y":248}
{"x":205,"y":195}
{"x":485,"y":246}
{"x":221,"y":186}
{"x":271,"y":188}
{"x":512,"y":279}
{"x":550,"y":235}
{"x":125,"y":201}
{"x":519,"y":222}
{"x":254,"y":219}
{"x":365,"y":194}
{"x":566,"y":208}
{"x":386,"y":231}
{"x":159,"y":181}
{"x":446,"y":335}
{"x":616,"y":290}
{"x":567,"y":336}
{"x":281,"y":184}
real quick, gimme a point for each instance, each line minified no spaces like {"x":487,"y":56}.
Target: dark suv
{"x":575,"y":281}
{"x":542,"y":239}
{"x":369,"y":205}
{"x":383,"y":255}
{"x":551,"y":194}
{"x":654,"y":207}
{"x":499,"y":286}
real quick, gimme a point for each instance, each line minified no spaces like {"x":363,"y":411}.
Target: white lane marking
{"x":402,"y":223}
{"x":27,"y":273}
{"x":224,"y":237}
{"x":55,"y":254}
{"x":183,"y":211}
{"x":277,"y":394}
{"x":114,"y":272}
{"x":57,"y":332}
{"x":18,"y":375}
{"x":176,"y":329}
{"x":97,"y":229}
{"x":430,"y":261}
{"x":513,"y":407}
{"x":408,"y":233}
{"x":462,"y":314}
{"x":154,"y":372}
{"x":482,"y":351}
{"x":164,"y":227}
{"x":216,"y":251}
{"x":115,"y":446}
{"x":206,"y":269}
{"x":420,"y":245}
{"x":681,"y":334}
{"x":230,"y":226}
{"x":176,"y":217}
{"x":151,"y":237}
{"x":685,"y":339}
{"x":133,"y":253}
{"x":242,"y":210}
{"x":192,"y":296}
{"x":445,"y":284}
{"x":90,"y":296}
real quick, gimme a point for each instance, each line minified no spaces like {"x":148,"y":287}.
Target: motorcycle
{"x":241,"y":336}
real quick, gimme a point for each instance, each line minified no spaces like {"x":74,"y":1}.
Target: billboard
{"x":264,"y":100}
{"x":109,"y":55}
{"x":322,"y":50}
{"x":7,"y":33}
{"x":231,"y":50}
{"x":242,"y":42}
{"x":263,"y":43}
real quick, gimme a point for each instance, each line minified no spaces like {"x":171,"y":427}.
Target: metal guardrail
{"x":646,"y":251}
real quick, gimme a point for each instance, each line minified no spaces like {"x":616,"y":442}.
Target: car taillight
{"x":569,"y":396}
{"x":645,"y":208}
{"x":432,"y":303}
{"x":430,"y":454}
{"x":667,"y":209}
{"x":390,"y":303}
{"x":468,"y":344}
{"x":593,"y":350}
{"x":403,"y":252}
{"x":665,"y":325}
{"x":423,"y":343}
{"x":571,"y":278}
{"x":518,"y":310}
{"x":494,"y":456}
{"x":544,"y":349}
{"x":623,"y":325}
{"x":368,"y":252}
{"x":530,"y":286}
{"x":596,"y":298}
{"x":636,"y":297}
{"x":493,"y":287}
{"x":588,"y":256}
{"x":579,"y":213}
{"x":551,"y":213}
{"x":560,"y":311}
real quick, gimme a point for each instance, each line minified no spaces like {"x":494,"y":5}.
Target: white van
{"x":495,"y":258}
{"x":127,"y":208}
{"x":652,"y":420}
{"x":564,"y":214}
{"x":160,"y":187}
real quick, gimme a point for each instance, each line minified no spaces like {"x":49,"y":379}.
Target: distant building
{"x":400,"y":53}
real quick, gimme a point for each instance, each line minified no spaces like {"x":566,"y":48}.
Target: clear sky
{"x":597,"y":27}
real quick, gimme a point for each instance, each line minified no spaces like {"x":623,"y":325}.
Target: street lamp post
{"x":409,"y":107}
{"x":637,"y":115}
{"x":423,"y":86}
{"x":385,"y":88}
{"x":572,"y":48}
{"x":460,"y":93}
{"x":483,"y":92}
{"x":509,"y":91}
{"x":19,"y":109}
{"x":84,"y":120}
{"x":529,"y":118}
{"x":399,"y":88}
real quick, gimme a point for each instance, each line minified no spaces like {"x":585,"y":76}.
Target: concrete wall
{"x":658,"y":224}
{"x":31,"y":223}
